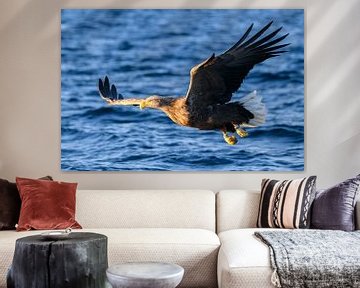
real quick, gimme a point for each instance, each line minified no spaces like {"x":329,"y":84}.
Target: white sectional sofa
{"x":177,"y":226}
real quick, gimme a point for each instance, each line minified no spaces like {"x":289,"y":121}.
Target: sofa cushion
{"x":46,"y":204}
{"x":10,"y":204}
{"x":244,"y":261}
{"x":194,"y":249}
{"x":286,"y":204}
{"x":236,"y":209}
{"x":146,"y":209}
{"x":334,"y":208}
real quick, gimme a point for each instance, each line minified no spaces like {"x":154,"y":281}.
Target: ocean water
{"x":146,"y":52}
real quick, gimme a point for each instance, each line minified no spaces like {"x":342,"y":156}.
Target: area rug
{"x":313,"y":258}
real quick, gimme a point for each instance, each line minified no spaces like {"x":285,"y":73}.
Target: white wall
{"x":30,"y":94}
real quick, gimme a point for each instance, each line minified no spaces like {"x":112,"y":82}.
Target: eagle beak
{"x":143,"y":104}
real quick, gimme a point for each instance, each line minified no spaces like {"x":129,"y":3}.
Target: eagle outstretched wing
{"x":217,"y":78}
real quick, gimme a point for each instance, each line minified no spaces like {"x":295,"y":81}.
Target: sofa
{"x":209,"y":234}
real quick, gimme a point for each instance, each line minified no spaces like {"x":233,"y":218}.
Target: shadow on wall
{"x":333,"y":44}
{"x":202,"y":4}
{"x":338,"y":71}
{"x":335,"y":37}
{"x":44,"y":10}
{"x":240,"y":4}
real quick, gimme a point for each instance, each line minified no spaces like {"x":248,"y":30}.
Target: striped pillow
{"x":286,"y":204}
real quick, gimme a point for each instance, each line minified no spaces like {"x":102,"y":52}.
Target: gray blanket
{"x":314,"y":258}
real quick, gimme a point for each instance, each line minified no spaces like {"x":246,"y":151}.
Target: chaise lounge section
{"x":244,"y":260}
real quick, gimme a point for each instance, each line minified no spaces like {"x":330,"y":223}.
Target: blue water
{"x":147,"y":52}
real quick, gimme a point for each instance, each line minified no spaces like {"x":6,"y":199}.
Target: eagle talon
{"x":231,"y":140}
{"x":242,"y":133}
{"x":142,"y":105}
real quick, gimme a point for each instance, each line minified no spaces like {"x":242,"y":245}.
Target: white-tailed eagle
{"x":207,"y":105}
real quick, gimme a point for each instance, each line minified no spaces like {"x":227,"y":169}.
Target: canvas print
{"x":182,"y":90}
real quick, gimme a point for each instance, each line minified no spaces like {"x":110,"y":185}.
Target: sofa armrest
{"x":357,"y":215}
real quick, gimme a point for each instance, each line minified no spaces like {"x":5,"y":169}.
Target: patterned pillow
{"x":286,"y":204}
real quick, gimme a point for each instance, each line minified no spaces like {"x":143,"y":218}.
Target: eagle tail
{"x":252,"y":102}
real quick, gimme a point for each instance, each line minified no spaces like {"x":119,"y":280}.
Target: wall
{"x":30,"y":94}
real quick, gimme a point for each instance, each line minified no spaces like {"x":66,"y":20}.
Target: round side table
{"x":145,"y":275}
{"x":78,"y":261}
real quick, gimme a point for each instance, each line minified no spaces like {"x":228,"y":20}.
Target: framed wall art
{"x":182,"y":90}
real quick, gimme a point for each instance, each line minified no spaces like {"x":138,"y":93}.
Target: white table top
{"x":146,"y":270}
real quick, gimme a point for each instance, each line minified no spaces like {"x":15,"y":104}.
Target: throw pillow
{"x":10,"y":204}
{"x":286,"y":204}
{"x":334,"y":208}
{"x":46,"y":204}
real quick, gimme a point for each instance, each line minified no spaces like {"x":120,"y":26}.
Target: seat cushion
{"x":196,"y":250}
{"x":244,"y":261}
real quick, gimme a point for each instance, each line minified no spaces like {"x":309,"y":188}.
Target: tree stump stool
{"x":79,"y":261}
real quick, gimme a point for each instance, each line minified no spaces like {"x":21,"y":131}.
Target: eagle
{"x":207,"y":104}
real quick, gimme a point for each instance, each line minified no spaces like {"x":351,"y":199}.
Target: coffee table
{"x":145,"y":275}
{"x":79,"y":260}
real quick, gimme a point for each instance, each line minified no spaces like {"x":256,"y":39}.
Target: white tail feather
{"x":252,"y":102}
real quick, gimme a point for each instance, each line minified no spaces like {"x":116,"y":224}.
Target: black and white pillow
{"x":286,"y":204}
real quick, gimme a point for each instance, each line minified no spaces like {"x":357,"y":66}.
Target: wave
{"x":125,"y":45}
{"x":160,"y":74}
{"x":282,"y":76}
{"x":279,"y":131}
{"x":106,"y":110}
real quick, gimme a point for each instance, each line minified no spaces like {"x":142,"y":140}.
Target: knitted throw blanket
{"x":313,"y":258}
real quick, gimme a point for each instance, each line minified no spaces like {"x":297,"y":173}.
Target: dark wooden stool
{"x":79,"y":261}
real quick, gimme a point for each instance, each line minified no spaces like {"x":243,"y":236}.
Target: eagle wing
{"x":217,"y":78}
{"x":111,"y":96}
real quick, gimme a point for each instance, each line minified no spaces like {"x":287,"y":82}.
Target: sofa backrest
{"x":239,"y":209}
{"x":146,"y":209}
{"x":236,"y":209}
